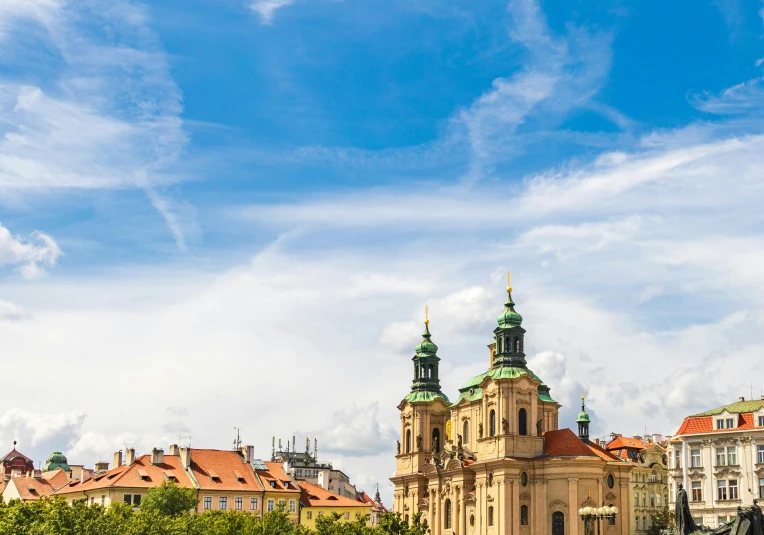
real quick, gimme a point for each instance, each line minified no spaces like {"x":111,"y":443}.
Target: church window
{"x":490,"y":516}
{"x":436,"y":440}
{"x":501,"y":345}
{"x":406,"y":518}
{"x":490,"y":479}
{"x":697,"y":491}
{"x":558,"y":523}
{"x":652,"y":499}
{"x":492,"y":423}
{"x":523,"y":515}
{"x":524,"y":479}
{"x":466,"y":432}
{"x":695,"y":458}
{"x":447,"y":514}
{"x":610,"y":481}
{"x":522,"y":422}
{"x":472,"y":521}
{"x":408,"y":440}
{"x":517,"y":344}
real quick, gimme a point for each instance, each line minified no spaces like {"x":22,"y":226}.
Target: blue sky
{"x":206,"y":204}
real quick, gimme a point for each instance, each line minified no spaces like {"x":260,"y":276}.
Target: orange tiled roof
{"x":315,"y":496}
{"x":565,"y":443}
{"x":31,"y":488}
{"x":626,"y":442}
{"x":229,"y":468}
{"x":705,"y":424}
{"x":276,"y":479}
{"x":365,"y":498}
{"x":602,"y":453}
{"x":129,"y":477}
{"x":57,"y":478}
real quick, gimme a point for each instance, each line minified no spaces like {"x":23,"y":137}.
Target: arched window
{"x":492,"y":423}
{"x":522,"y":422}
{"x":436,"y":440}
{"x":610,"y":481}
{"x":408,"y":440}
{"x":490,"y":515}
{"x":466,"y":432}
{"x":447,"y":514}
{"x":430,"y":372}
{"x":558,"y":523}
{"x":500,"y":343}
{"x":523,"y":515}
{"x":406,"y":518}
{"x":416,"y":371}
{"x":517,"y":344}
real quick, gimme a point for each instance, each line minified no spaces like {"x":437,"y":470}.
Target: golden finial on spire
{"x":509,"y":286}
{"x":426,"y":315}
{"x":582,"y":394}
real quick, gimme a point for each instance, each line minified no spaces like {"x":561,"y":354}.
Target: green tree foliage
{"x":168,"y":499}
{"x":167,"y":514}
{"x":659,"y":522}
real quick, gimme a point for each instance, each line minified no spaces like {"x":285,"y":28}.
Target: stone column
{"x":572,"y":515}
{"x":506,"y":504}
{"x":459,"y":511}
{"x":438,"y":528}
{"x":431,"y":509}
{"x":624,"y":508}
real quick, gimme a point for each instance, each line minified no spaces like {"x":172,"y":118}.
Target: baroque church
{"x":495,"y":461}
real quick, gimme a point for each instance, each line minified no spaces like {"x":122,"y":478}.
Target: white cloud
{"x":31,"y":255}
{"x":11,"y":312}
{"x":267,"y":8}
{"x":108,"y":114}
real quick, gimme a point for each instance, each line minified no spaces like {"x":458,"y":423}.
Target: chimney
{"x":118,"y":459}
{"x":185,"y":457}
{"x":130,"y":456}
{"x":157,"y":456}
{"x":249,"y":453}
{"x":173,"y":450}
{"x":102,"y":466}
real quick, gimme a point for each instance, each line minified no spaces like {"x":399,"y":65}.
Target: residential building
{"x":15,"y":463}
{"x":648,"y":489}
{"x":494,"y":461}
{"x":317,"y":502}
{"x":35,"y":485}
{"x":377,"y":508}
{"x":718,"y":456}
{"x":224,"y":480}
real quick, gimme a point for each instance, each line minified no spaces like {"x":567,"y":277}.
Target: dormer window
{"x":761,"y":421}
{"x":729,"y":423}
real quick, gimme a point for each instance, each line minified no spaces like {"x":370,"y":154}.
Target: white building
{"x":718,"y":456}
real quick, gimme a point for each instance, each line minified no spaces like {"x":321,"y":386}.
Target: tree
{"x":659,"y":522}
{"x":168,"y":499}
{"x":394,"y":524}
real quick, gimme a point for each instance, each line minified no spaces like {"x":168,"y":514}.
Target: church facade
{"x":495,"y":461}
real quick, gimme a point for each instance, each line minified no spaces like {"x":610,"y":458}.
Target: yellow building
{"x":317,"y":502}
{"x":648,"y":489}
{"x":494,"y":461}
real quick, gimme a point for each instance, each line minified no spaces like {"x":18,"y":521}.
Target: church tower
{"x":424,"y":413}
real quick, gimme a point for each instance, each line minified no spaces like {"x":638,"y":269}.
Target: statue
{"x":589,"y":525}
{"x":538,"y":428}
{"x":435,"y":445}
{"x":684,"y":522}
{"x":399,"y":446}
{"x":757,"y":519}
{"x":459,"y":441}
{"x":480,"y":430}
{"x":505,"y":426}
{"x":419,"y":442}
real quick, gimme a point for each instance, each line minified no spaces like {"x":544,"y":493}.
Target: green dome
{"x":509,"y":317}
{"x":56,"y":460}
{"x":426,"y":347}
{"x":582,"y":417}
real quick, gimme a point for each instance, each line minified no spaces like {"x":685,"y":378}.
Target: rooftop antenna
{"x":180,"y":440}
{"x":237,"y":440}
{"x":273,"y":448}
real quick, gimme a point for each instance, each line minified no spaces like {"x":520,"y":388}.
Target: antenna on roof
{"x":237,"y":440}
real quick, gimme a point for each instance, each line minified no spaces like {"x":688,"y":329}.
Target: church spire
{"x":583,"y":420}
{"x":509,"y":335}
{"x":426,"y":361}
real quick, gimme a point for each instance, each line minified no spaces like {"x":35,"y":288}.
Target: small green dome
{"x":426,"y":347}
{"x":509,"y":317}
{"x":56,"y":460}
{"x":582,"y":417}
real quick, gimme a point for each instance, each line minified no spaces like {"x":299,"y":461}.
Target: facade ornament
{"x":505,"y":426}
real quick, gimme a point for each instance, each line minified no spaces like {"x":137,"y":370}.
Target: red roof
{"x":315,"y":496}
{"x":565,"y":443}
{"x":626,"y":442}
{"x":365,"y":498}
{"x":276,"y":478}
{"x":705,"y":424}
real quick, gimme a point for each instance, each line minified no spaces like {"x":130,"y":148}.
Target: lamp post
{"x":590,"y":514}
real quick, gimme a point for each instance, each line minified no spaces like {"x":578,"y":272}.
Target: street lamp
{"x":590,"y":514}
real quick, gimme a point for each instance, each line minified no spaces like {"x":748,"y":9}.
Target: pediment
{"x":454,"y":464}
{"x":525,"y":496}
{"x":611,"y":496}
{"x":430,"y":470}
{"x":558,"y":504}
